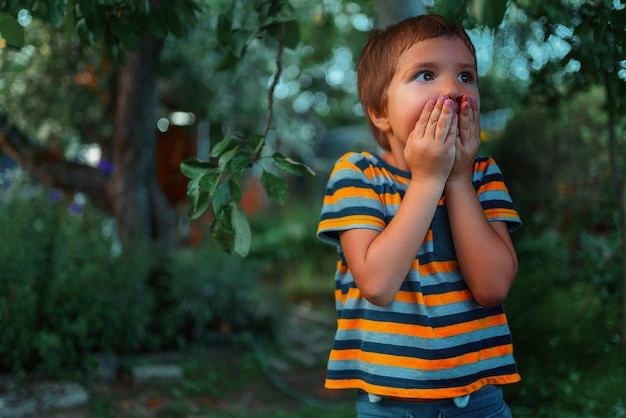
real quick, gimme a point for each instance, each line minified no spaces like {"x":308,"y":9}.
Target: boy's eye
{"x":466,"y":77}
{"x":424,"y":76}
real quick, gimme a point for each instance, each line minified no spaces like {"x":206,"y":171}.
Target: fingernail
{"x":444,"y":98}
{"x":432,"y":102}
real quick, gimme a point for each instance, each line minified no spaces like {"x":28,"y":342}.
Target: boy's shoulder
{"x":363,"y":160}
{"x":354,"y":156}
{"x":359,"y":160}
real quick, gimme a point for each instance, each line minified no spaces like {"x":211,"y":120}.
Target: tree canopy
{"x":294,"y":82}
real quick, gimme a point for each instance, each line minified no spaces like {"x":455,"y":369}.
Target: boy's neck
{"x":393,"y":161}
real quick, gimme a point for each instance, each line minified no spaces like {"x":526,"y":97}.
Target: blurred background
{"x":100,"y":102}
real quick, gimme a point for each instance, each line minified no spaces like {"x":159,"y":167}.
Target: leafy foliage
{"x":564,"y":306}
{"x":70,"y":289}
{"x":486,"y":13}
{"x":65,"y":291}
{"x":215,"y":183}
{"x":11,"y":30}
{"x":218,"y":297}
{"x":118,"y":24}
{"x":595,"y":33}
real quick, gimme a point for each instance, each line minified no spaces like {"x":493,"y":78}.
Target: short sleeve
{"x":350,"y":199}
{"x":493,"y":194}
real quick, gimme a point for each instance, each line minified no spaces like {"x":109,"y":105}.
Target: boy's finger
{"x":444,"y":121}
{"x":453,"y":132}
{"x":431,"y":106}
{"x":468,"y":119}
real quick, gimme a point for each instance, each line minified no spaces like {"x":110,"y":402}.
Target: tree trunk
{"x":139,"y":204}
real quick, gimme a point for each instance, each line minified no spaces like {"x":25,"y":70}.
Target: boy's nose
{"x":452,"y":90}
{"x":454,"y":93}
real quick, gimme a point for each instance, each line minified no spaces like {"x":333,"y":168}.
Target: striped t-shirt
{"x":433,"y":340}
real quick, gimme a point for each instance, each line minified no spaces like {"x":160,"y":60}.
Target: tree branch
{"x":53,"y":170}
{"x":275,"y":80}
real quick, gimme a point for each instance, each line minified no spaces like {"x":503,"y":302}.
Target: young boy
{"x":422,"y":232}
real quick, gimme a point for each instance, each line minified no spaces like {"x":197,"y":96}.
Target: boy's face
{"x":427,"y":70}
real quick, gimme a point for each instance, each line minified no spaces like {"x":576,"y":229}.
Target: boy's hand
{"x":468,"y":140}
{"x":430,"y":148}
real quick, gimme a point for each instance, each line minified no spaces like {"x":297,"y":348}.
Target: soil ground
{"x":235,"y":383}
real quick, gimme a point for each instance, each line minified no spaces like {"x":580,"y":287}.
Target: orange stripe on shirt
{"x":501,"y":213}
{"x":434,"y":300}
{"x":419,"y":363}
{"x":492,"y":186}
{"x":420,"y":330}
{"x":349,"y":192}
{"x":336,"y":224}
{"x":438,"y":267}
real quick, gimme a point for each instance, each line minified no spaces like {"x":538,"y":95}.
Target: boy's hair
{"x":380,"y":55}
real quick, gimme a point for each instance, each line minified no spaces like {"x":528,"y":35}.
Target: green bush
{"x":67,"y":287}
{"x":70,"y":289}
{"x":565,"y":305}
{"x":213,"y":296}
{"x":564,"y":314}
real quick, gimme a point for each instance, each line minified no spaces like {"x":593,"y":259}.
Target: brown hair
{"x":380,"y":55}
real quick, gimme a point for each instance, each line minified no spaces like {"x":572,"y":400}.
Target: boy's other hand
{"x":430,"y":147}
{"x":468,"y":139}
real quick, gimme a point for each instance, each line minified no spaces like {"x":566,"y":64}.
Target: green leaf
{"x":193,"y":191}
{"x":228,"y":61}
{"x":193,"y":184}
{"x":226,"y":157}
{"x":128,"y":40}
{"x":256,"y":143}
{"x":221,"y":197}
{"x":221,"y":146}
{"x":239,"y":163}
{"x":156,"y":26}
{"x":235,"y":190}
{"x":489,"y":12}
{"x":201,"y":205}
{"x":291,"y":166}
{"x":170,"y":18}
{"x":238,"y":41}
{"x":292,"y":34}
{"x":93,"y":18}
{"x":223,"y":231}
{"x":241,"y":227}
{"x":209,"y":181}
{"x":11,"y":31}
{"x":275,"y":187}
{"x":192,"y":167}
{"x":85,"y":36}
{"x":225,"y":24}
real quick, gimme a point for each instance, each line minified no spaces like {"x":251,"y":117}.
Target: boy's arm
{"x":484,"y":250}
{"x":380,"y":261}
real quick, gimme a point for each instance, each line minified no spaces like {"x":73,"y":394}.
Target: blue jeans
{"x":484,"y":403}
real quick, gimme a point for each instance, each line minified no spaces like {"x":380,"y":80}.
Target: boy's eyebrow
{"x":435,"y":64}
{"x":426,"y":64}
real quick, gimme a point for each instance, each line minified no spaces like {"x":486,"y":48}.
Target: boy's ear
{"x":379,"y":120}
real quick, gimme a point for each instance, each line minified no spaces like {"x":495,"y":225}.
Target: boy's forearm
{"x":484,"y":250}
{"x":380,"y":268}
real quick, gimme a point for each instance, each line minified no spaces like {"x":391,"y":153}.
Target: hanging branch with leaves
{"x":215,"y":184}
